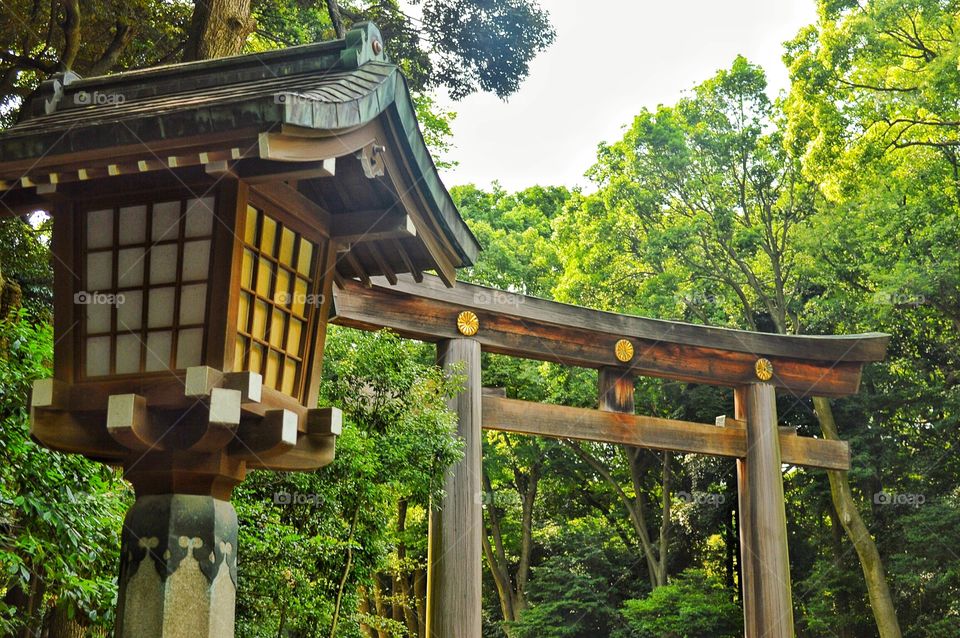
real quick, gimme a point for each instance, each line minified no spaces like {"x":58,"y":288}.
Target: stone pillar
{"x":178,"y":568}
{"x":764,"y":558}
{"x":455,"y":546}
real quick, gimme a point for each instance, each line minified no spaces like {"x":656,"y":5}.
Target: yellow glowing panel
{"x":243,"y":313}
{"x":282,"y":296}
{"x":246,"y":271}
{"x":271,"y":378}
{"x":250,"y":230}
{"x":276,"y":329}
{"x":305,"y":257}
{"x":287,"y":239}
{"x":289,"y":376}
{"x":293,"y":337}
{"x":299,"y":297}
{"x":239,"y":351}
{"x":264,"y":275}
{"x":268,"y":236}
{"x":260,"y":312}
{"x":256,"y":358}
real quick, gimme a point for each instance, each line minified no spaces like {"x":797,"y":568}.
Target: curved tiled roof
{"x":330,"y":87}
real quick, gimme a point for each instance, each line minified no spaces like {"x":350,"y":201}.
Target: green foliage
{"x":516,"y":233}
{"x":60,"y":515}
{"x":693,"y":605}
{"x":308,"y":537}
{"x":484,"y":45}
{"x":569,"y":598}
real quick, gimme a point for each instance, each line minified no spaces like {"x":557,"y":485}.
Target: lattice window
{"x":144,"y":286}
{"x":277,"y":299}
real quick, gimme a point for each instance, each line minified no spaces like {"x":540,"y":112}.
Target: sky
{"x":611,"y":58}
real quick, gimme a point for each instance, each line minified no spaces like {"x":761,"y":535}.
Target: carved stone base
{"x":178,"y":568}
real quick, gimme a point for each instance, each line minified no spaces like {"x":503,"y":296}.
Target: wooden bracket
{"x":128,"y":422}
{"x":273,"y":435}
{"x":50,"y":394}
{"x":202,"y":380}
{"x":315,"y":446}
{"x":223,"y":419}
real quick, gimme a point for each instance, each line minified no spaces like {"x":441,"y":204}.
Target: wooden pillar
{"x":765,"y":562}
{"x":615,"y":390}
{"x":454,"y":554}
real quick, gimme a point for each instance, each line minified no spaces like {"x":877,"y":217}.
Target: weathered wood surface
{"x":454,"y":554}
{"x":558,"y":421}
{"x":764,"y":557}
{"x":615,"y":390}
{"x":522,"y":326}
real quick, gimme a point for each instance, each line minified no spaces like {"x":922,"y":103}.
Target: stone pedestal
{"x":178,"y":568}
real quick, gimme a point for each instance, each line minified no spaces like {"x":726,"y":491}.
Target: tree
{"x":60,"y":514}
{"x":463,"y":46}
{"x":709,"y":199}
{"x":315,"y":543}
{"x":693,"y":605}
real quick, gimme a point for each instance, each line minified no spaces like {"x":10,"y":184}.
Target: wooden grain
{"x":454,"y":550}
{"x":764,"y":556}
{"x":563,"y":422}
{"x":370,"y":225}
{"x":273,"y":435}
{"x":521,"y":326}
{"x":615,"y":390}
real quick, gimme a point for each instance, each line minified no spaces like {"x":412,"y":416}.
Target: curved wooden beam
{"x":528,"y":327}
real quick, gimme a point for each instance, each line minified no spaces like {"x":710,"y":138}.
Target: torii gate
{"x":468,"y":319}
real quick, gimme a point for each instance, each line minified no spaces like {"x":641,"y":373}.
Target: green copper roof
{"x":334,"y":86}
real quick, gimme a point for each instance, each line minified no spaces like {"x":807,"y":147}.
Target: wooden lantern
{"x":202,"y":214}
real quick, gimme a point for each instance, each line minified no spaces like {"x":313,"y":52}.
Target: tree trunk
{"x":219,"y":28}
{"x":401,"y":582}
{"x":363,"y":606}
{"x":336,"y":18}
{"x":420,"y":597}
{"x":842,"y":597}
{"x":58,"y":624}
{"x":379,"y":605}
{"x":881,"y":602}
{"x":71,"y":34}
{"x":346,"y":573}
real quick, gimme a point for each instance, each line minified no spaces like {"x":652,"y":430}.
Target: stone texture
{"x":178,"y":568}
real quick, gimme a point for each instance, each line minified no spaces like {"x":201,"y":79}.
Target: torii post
{"x":468,"y":319}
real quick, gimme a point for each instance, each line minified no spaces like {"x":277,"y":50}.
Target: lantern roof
{"x":334,"y":119}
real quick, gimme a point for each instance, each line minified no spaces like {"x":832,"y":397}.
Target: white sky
{"x":610,"y":59}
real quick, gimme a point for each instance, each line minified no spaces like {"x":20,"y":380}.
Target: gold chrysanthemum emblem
{"x":764,"y":369}
{"x":467,"y":323}
{"x":623,"y":349}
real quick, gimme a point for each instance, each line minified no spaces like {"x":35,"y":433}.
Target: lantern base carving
{"x":178,"y":568}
